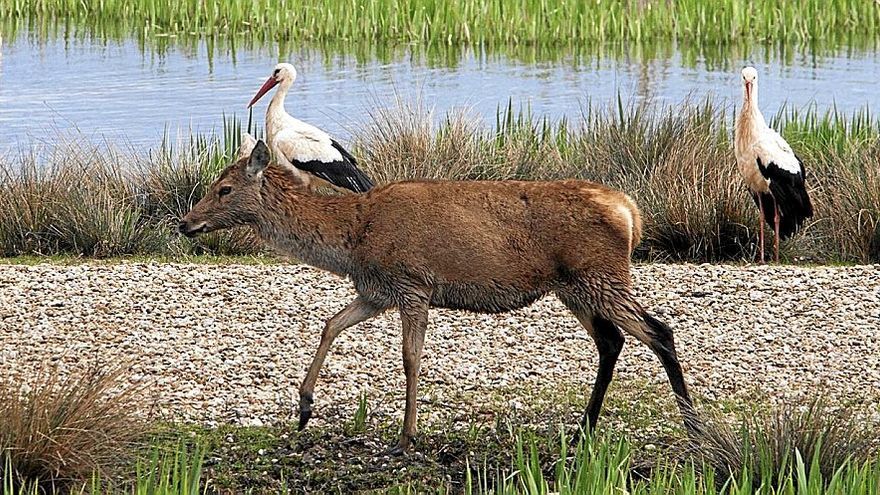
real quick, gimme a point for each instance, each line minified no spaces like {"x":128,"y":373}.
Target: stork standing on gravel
{"x":773,"y":173}
{"x":310,"y":152}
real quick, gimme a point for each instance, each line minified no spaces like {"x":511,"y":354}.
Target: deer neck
{"x":317,"y":230}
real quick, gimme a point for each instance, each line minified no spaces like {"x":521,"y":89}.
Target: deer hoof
{"x":401,"y":448}
{"x":305,"y":410}
{"x":304,"y":419}
{"x":395,"y":451}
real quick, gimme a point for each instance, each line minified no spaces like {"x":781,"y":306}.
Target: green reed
{"x":470,"y":21}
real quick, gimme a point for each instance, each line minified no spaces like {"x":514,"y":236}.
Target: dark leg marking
{"x":609,"y":341}
{"x":305,"y":409}
{"x":663,"y":345}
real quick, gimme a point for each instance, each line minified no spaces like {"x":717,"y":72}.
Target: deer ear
{"x":258,"y":161}
{"x":247,"y":145}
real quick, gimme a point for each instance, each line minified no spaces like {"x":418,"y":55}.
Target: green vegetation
{"x":804,"y":447}
{"x":675,"y":161}
{"x":165,"y":471}
{"x":469,"y":21}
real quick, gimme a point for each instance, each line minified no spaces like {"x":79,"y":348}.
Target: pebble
{"x":231,"y":343}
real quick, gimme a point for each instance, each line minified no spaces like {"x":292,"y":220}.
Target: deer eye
{"x":224,"y":191}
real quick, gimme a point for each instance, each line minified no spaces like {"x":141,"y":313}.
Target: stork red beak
{"x":749,"y":89}
{"x":269,"y":84}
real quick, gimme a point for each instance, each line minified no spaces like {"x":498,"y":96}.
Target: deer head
{"x":234,"y":198}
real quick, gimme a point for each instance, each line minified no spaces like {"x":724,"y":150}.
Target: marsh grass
{"x":676,"y":161}
{"x":807,"y":446}
{"x":469,"y":21}
{"x":606,"y":466}
{"x":165,"y":471}
{"x":171,"y":471}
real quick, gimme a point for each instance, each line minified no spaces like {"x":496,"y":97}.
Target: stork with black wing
{"x":773,"y":173}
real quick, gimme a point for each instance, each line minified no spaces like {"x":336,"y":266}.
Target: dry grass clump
{"x":404,"y":141}
{"x":58,"y":430}
{"x":96,"y":200}
{"x":96,"y":211}
{"x":25,"y":214}
{"x":768,"y":445}
{"x":847,"y":197}
{"x":80,"y":201}
{"x":696,"y":205}
{"x":676,"y":161}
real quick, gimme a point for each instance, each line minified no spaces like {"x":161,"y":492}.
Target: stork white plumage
{"x":773,"y":173}
{"x":306,"y":149}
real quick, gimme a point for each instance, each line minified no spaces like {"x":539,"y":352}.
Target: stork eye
{"x":224,"y":191}
{"x":277,"y":71}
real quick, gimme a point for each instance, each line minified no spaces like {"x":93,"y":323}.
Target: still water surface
{"x":131,"y":95}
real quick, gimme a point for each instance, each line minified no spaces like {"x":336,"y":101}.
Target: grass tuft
{"x":58,"y":431}
{"x":769,"y":448}
{"x":178,"y":471}
{"x":805,"y":447}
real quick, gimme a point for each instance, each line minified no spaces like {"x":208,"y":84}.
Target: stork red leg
{"x":776,"y":239}
{"x":761,"y":236}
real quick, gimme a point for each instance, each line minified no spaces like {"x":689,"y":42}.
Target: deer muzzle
{"x":191,"y":229}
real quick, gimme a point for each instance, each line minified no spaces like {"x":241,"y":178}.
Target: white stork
{"x":773,"y":173}
{"x":304,"y":147}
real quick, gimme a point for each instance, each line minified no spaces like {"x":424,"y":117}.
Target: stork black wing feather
{"x":789,"y":192}
{"x":342,"y":151}
{"x":344,"y":173}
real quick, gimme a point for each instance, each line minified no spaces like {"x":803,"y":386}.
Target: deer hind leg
{"x":627,"y":314}
{"x":357,"y":311}
{"x":609,"y":342}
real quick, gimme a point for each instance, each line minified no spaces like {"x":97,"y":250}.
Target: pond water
{"x":126,"y":92}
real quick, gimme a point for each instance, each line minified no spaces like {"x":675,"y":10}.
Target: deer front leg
{"x":357,"y":311}
{"x":414,"y":319}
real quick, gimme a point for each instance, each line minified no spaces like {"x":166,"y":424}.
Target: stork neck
{"x":318,"y":230}
{"x":750,"y":121}
{"x":276,"y":106}
{"x":750,"y":111}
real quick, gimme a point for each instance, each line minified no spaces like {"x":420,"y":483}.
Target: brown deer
{"x":481,"y":246}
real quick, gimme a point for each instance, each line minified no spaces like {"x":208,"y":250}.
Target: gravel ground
{"x":230,"y":343}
